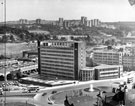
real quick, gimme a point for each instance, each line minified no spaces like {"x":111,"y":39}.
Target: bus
{"x":32,"y":89}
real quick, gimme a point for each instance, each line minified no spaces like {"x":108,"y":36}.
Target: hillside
{"x":22,"y":34}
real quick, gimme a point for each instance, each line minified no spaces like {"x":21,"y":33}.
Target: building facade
{"x":87,"y":73}
{"x":128,"y":62}
{"x":110,"y":57}
{"x":61,"y":59}
{"x":129,"y":39}
{"x":101,"y":72}
{"x":108,"y":72}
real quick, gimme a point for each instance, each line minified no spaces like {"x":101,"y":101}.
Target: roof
{"x":107,"y":66}
{"x":106,"y":51}
{"x":51,"y":41}
{"x":38,"y":31}
{"x":49,"y":82}
{"x":88,"y":68}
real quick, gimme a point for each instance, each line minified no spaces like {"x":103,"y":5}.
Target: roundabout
{"x":90,"y":94}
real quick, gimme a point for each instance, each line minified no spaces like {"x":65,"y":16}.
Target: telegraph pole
{"x":5,"y":78}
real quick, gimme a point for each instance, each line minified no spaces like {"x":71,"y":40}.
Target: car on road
{"x":53,"y":92}
{"x":32,"y":89}
{"x":44,"y":94}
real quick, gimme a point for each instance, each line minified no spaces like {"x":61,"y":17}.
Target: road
{"x":43,"y":100}
{"x":40,"y":100}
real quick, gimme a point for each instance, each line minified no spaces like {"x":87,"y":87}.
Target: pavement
{"x":44,"y":100}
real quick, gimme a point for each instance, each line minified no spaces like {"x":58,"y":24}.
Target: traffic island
{"x":73,"y":96}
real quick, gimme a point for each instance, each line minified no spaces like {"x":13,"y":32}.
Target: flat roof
{"x":88,"y":68}
{"x":51,"y":41}
{"x":49,"y":82}
{"x":107,"y":66}
{"x":106,"y":51}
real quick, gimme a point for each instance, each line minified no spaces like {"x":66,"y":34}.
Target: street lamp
{"x":5,"y":78}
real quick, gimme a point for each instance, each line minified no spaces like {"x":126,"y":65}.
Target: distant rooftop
{"x":38,"y":31}
{"x":106,"y":66}
{"x":51,"y":41}
{"x":106,"y":51}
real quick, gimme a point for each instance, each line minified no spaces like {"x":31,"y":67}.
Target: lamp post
{"x":5,"y":78}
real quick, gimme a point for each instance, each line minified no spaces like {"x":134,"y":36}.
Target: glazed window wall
{"x":57,"y":48}
{"x":108,"y":77}
{"x":87,"y":75}
{"x":57,"y":72}
{"x":57,"y":61}
{"x":60,"y":67}
{"x":57,"y":54}
{"x":57,"y":65}
{"x":54,"y":73}
{"x":59,"y":58}
{"x":108,"y":71}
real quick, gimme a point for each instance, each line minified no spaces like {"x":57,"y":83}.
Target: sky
{"x":104,"y":10}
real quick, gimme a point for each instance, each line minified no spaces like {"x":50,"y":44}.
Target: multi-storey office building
{"x":61,"y":59}
{"x":101,"y":72}
{"x":108,"y":71}
{"x":128,"y":62}
{"x":110,"y":57}
{"x":129,"y":39}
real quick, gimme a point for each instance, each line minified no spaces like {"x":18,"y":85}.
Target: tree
{"x":4,"y":38}
{"x":12,"y":38}
{"x":63,"y":38}
{"x":55,"y":37}
{"x":107,"y":42}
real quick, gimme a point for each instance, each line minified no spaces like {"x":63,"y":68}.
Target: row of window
{"x":59,"y":55}
{"x":58,"y":48}
{"x":56,"y":51}
{"x":57,"y":73}
{"x":57,"y":69}
{"x":58,"y":65}
{"x":57,"y":61}
{"x":109,"y":73}
{"x":58,"y":58}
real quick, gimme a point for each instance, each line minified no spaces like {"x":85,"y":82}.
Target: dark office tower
{"x":23,"y":21}
{"x":96,"y":22}
{"x":84,"y":20}
{"x":61,"y":20}
{"x":66,"y":24}
{"x":62,"y":59}
{"x":38,"y":21}
{"x":39,"y":61}
{"x":92,"y":23}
